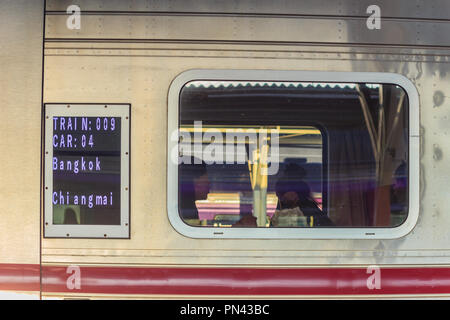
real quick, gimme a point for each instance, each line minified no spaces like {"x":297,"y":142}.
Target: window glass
{"x":292,"y":154}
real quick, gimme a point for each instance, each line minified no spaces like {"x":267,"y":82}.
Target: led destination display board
{"x":87,"y":161}
{"x":86,"y":170}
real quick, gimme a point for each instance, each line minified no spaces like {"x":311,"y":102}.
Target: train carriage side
{"x":355,"y":112}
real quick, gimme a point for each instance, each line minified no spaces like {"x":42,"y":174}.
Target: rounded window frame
{"x":294,"y":233}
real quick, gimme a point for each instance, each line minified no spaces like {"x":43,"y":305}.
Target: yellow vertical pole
{"x":259,"y":181}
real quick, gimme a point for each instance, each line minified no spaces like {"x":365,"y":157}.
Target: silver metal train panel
{"x":21,"y":51}
{"x":405,"y":9}
{"x":248,"y":29}
{"x":130,"y":52}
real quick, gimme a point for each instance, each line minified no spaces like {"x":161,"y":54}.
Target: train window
{"x":294,"y":158}
{"x":86,"y":171}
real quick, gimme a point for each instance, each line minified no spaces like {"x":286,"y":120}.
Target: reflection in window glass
{"x":277,"y":154}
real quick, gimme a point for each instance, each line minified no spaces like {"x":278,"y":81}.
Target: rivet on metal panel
{"x":438,"y":98}
{"x":437,"y":152}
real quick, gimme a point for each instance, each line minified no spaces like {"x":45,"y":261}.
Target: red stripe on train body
{"x":249,"y":281}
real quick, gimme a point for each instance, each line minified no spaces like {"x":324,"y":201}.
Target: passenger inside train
{"x":296,"y":207}
{"x":194,"y":186}
{"x":399,"y":195}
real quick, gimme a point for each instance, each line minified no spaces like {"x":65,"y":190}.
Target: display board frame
{"x":122,"y":230}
